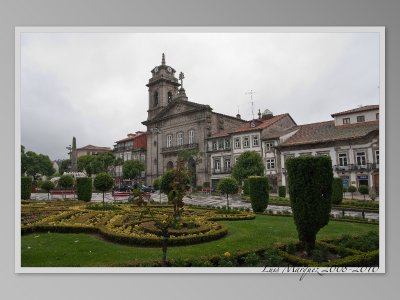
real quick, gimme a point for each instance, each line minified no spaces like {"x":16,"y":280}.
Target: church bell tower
{"x":163,"y":88}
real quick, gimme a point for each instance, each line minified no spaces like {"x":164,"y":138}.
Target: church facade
{"x":175,"y":124}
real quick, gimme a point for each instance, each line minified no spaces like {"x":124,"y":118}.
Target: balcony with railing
{"x":356,"y":167}
{"x":222,"y":171}
{"x":179,"y":148}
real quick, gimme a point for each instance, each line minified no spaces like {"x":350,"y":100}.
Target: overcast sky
{"x":92,"y":85}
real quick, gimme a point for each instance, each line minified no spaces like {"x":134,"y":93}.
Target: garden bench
{"x":125,"y":196}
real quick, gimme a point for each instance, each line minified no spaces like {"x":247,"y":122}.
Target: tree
{"x":132,"y":169}
{"x":310,"y":188}
{"x":86,"y":163}
{"x":103,"y":182}
{"x":66,"y":182}
{"x":248,"y":164}
{"x":157,"y":183}
{"x":190,"y":159}
{"x":33,"y":163}
{"x":258,"y":191}
{"x":337,"y":190}
{"x":364,"y":190}
{"x":65,"y":166}
{"x":47,"y":186}
{"x":228,"y":185}
{"x":106,"y":160}
{"x":26,"y":187}
{"x":352,"y":189}
{"x":84,"y":188}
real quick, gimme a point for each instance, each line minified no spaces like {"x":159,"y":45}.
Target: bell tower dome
{"x":163,"y":88}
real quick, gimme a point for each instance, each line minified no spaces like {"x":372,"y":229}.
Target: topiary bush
{"x":364,"y":190}
{"x":103,"y":182}
{"x":26,"y":188}
{"x":66,"y":182}
{"x":337,"y":190}
{"x":310,"y":188}
{"x":282,"y":191}
{"x":258,"y":190}
{"x":352,"y":189}
{"x":84,"y":187}
{"x":246,"y":187}
{"x":47,"y":186}
{"x":228,"y":185}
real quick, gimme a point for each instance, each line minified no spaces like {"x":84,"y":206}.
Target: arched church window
{"x":170,"y":165}
{"x":155,"y":98}
{"x":169,"y":96}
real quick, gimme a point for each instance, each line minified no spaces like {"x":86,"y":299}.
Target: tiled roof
{"x":260,"y":124}
{"x":328,"y":132}
{"x":131,"y":137}
{"x":355,"y":110}
{"x":91,"y":147}
{"x":277,"y":134}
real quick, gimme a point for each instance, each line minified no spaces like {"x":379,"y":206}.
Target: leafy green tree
{"x":106,"y":160}
{"x":310,"y":188}
{"x":47,"y":185}
{"x":132,"y":169}
{"x":364,"y":190}
{"x":26,"y":187}
{"x":33,"y":163}
{"x":66,"y":181}
{"x":248,"y":164}
{"x":157,"y":183}
{"x":65,"y":166}
{"x":103,"y":182}
{"x":189,"y":159}
{"x":352,"y":189}
{"x":84,"y":188}
{"x":86,"y":164}
{"x":228,"y":185}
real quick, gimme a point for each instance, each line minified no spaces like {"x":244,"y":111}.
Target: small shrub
{"x":282,"y":191}
{"x":66,"y":182}
{"x":337,"y":190}
{"x":364,"y":190}
{"x":26,"y":188}
{"x":84,"y":188}
{"x":352,"y":189}
{"x":258,"y":189}
{"x":103,"y":182}
{"x":47,"y":186}
{"x":252,"y":260}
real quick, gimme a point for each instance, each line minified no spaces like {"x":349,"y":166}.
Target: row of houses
{"x":350,"y":138}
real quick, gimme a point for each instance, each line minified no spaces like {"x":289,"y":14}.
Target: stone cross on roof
{"x":181,"y":77}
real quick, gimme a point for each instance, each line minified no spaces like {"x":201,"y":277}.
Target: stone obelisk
{"x":74,"y":158}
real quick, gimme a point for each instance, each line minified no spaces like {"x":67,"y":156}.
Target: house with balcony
{"x":351,"y":140}
{"x":133,"y":147}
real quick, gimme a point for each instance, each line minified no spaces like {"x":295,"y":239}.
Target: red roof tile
{"x":355,"y":110}
{"x":327,"y":132}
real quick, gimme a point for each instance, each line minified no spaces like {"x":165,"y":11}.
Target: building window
{"x":217,"y":164}
{"x":360,"y":118}
{"x":179,"y":139}
{"x":227,"y":143}
{"x":237,"y":142}
{"x":361,"y":158}
{"x":346,"y":120}
{"x":255,"y":141}
{"x":377,"y":156}
{"x":323,"y":154}
{"x":169,"y":97}
{"x":227,"y":164}
{"x":169,"y":140}
{"x":221,"y":144}
{"x":214,"y":145}
{"x":270,"y":164}
{"x":268,"y":146}
{"x":343,"y":159}
{"x":236,"y":159}
{"x":305,"y":154}
{"x":246,"y":142}
{"x":155,"y":98}
{"x":191,"y":136}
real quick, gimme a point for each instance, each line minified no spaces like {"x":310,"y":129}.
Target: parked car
{"x":147,"y":189}
{"x":124,"y":188}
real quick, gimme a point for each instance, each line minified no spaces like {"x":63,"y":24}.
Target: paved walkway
{"x":210,"y":201}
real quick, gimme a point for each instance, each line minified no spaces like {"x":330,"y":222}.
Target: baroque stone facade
{"x":175,"y":124}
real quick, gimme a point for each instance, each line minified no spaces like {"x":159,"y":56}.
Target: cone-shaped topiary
{"x":258,"y":190}
{"x":84,"y":188}
{"x":337,"y":190}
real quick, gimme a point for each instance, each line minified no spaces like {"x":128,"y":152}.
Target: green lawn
{"x":74,"y":250}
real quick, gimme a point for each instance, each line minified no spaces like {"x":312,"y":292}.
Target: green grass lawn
{"x":84,"y":250}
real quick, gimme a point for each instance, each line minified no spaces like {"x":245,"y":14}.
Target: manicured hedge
{"x":258,"y":190}
{"x":282,"y":191}
{"x":337,"y":191}
{"x":246,"y":187}
{"x":84,"y":187}
{"x":26,"y":188}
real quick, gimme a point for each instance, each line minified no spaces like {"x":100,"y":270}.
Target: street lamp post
{"x":156,"y":131}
